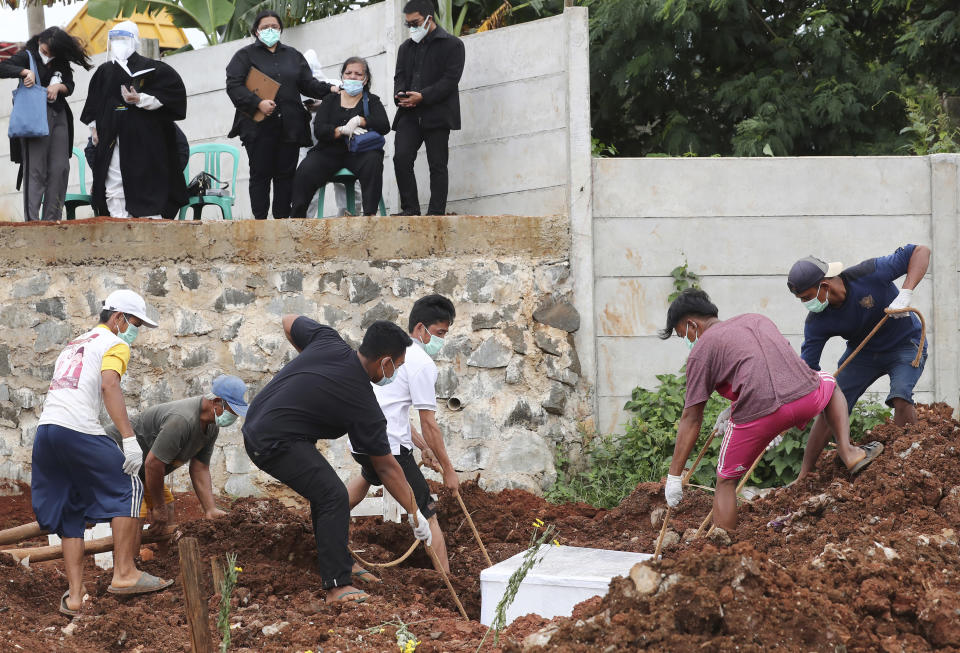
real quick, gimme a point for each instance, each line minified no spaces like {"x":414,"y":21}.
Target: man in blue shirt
{"x":849,"y":303}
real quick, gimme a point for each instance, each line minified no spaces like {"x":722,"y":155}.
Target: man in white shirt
{"x":414,"y":386}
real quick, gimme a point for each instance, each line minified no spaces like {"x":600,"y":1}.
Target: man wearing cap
{"x":132,"y":104}
{"x":172,"y":433}
{"x":849,"y":303}
{"x":79,"y":474}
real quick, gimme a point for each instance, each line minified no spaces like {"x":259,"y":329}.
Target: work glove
{"x":132,"y":456}
{"x":722,"y":420}
{"x":673,"y":490}
{"x":774,"y":443}
{"x":901,"y":301}
{"x":422,"y":528}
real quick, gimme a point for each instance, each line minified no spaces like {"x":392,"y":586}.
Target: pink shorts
{"x":742,"y":443}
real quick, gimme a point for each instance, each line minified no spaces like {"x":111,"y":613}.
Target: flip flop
{"x":356,"y":599}
{"x":63,"y":605}
{"x":365,"y":576}
{"x":871,"y":451}
{"x":145,"y":584}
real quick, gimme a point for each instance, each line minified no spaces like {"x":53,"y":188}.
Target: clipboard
{"x":263,"y":87}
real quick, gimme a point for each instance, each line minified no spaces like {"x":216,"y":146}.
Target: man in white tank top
{"x":79,"y":474}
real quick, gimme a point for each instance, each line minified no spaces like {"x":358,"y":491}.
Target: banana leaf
{"x":205,"y":15}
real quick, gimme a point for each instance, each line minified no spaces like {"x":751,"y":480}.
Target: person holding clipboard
{"x":272,"y":129}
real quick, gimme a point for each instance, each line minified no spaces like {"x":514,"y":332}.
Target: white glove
{"x":673,"y":490}
{"x":774,"y":443}
{"x":722,"y":420}
{"x":359,"y":130}
{"x":132,"y":456}
{"x":422,"y":529}
{"x":901,"y":301}
{"x":347,"y":130}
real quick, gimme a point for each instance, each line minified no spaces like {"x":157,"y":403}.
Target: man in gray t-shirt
{"x":173,"y":433}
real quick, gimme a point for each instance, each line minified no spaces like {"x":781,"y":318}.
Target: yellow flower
{"x":556,"y":543}
{"x":538,"y":523}
{"x":330,"y":631}
{"x":238,"y":570}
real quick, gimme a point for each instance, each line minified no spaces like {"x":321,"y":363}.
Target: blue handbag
{"x":29,"y":116}
{"x":371,"y":140}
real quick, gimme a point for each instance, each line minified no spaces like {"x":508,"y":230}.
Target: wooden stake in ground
{"x":473,"y":527}
{"x":99,"y":545}
{"x":196,"y":606}
{"x":446,"y":579}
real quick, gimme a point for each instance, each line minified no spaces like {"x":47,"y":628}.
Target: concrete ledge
{"x":360,"y":238}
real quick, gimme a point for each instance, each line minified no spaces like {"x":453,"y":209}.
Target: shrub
{"x":615,"y":464}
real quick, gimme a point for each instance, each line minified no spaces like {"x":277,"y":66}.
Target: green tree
{"x":748,"y":77}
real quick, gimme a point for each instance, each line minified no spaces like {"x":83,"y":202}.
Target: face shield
{"x":121,"y":43}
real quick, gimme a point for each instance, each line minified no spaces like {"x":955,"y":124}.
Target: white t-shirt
{"x":414,"y":386}
{"x":74,"y":399}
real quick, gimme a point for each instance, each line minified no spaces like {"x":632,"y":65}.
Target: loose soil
{"x":868,"y":564}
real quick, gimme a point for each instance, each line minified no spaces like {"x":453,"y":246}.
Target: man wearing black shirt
{"x":429,"y":66}
{"x":322,"y":394}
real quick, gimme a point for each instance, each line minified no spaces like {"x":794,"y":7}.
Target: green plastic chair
{"x":348,"y":179}
{"x":72,"y":201}
{"x":212,"y":155}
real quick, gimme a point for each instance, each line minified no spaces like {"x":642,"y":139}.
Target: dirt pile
{"x":824,"y":565}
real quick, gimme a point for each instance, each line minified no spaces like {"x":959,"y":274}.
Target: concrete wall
{"x":741,"y":223}
{"x":219,"y":290}
{"x":510,"y":157}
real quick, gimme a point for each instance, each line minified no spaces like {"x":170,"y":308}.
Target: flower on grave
{"x":556,"y":543}
{"x":411,"y":646}
{"x":238,"y":569}
{"x":538,"y":523}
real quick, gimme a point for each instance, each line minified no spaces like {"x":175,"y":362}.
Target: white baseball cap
{"x":129,"y":302}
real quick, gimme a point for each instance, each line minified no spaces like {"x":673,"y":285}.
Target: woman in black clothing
{"x":45,"y":161}
{"x":273,"y":144}
{"x":337,"y":119}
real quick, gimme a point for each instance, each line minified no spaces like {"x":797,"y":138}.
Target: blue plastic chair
{"x":72,"y":201}
{"x":348,"y":179}
{"x":212,"y":155}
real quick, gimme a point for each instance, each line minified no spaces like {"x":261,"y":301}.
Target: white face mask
{"x":419,"y":33}
{"x":44,"y":58}
{"x":122,"y":48}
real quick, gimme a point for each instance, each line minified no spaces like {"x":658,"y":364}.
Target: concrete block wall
{"x":219,"y":290}
{"x":511,"y":157}
{"x":740,"y":224}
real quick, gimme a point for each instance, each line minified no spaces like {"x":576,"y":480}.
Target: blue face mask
{"x":686,"y":339}
{"x":387,"y":380}
{"x":269,"y":36}
{"x":129,"y":334}
{"x":352,"y":86}
{"x":226,"y":418}
{"x":433,"y":346}
{"x":814,"y":305}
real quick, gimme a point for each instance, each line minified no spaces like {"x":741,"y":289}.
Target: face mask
{"x":814,"y":305}
{"x":121,"y":49}
{"x":387,"y":380}
{"x":45,"y":59}
{"x":226,"y":418}
{"x":433,"y":346}
{"x":269,"y":37}
{"x":352,"y":86}
{"x":418,"y":33}
{"x":130,"y":334}
{"x":690,"y":343}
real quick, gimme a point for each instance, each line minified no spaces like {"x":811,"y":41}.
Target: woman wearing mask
{"x":45,"y":161}
{"x":339,"y":118}
{"x":748,"y":361}
{"x":273,"y":143}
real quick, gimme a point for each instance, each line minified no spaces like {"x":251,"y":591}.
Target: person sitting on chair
{"x":355,"y":111}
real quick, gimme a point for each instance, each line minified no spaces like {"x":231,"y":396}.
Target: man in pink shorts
{"x":748,"y":361}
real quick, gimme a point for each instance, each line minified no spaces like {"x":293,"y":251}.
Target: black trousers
{"x":271,"y":160}
{"x":304,"y":470}
{"x":319,"y":166}
{"x":409,"y":136}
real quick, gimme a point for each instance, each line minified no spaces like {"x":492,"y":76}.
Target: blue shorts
{"x":867,"y":367}
{"x":78,"y":479}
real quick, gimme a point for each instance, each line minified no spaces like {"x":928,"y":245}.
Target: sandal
{"x":870,"y":451}
{"x":145,"y":584}
{"x":64,"y":610}
{"x":348,"y":597}
{"x":365,"y":576}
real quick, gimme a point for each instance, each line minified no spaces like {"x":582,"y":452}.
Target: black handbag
{"x":202,"y":184}
{"x":371,"y":140}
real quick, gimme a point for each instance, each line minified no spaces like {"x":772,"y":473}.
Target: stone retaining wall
{"x":219,"y":290}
